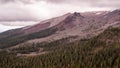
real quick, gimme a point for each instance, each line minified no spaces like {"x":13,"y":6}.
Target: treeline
{"x":92,"y":53}
{"x":46,"y":46}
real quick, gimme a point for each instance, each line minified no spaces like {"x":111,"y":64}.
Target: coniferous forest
{"x":102,"y":51}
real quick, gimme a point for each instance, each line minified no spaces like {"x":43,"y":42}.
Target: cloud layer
{"x":94,"y":3}
{"x":36,"y":10}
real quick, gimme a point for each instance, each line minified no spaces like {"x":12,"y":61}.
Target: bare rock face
{"x":71,"y":21}
{"x":45,"y":24}
{"x":77,"y":14}
{"x":37,"y":28}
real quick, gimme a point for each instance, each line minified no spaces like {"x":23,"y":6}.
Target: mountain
{"x":74,"y":40}
{"x":79,"y":25}
{"x":35,"y":28}
{"x":100,"y":51}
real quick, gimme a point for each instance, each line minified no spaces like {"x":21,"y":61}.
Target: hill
{"x":101,"y":51}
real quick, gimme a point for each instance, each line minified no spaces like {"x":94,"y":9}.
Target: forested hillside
{"x":13,"y":40}
{"x":102,"y":51}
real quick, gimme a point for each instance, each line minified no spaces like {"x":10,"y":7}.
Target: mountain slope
{"x":82,"y":25}
{"x":75,"y":40}
{"x":91,"y":53}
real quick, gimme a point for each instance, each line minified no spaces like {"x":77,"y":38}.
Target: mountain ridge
{"x":82,"y":25}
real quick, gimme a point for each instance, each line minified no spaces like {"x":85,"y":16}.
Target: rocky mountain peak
{"x":76,"y":14}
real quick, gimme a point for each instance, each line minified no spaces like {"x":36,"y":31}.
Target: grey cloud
{"x":13,"y":1}
{"x":68,"y":1}
{"x":57,"y":1}
{"x":96,"y":3}
{"x":16,"y":10}
{"x":6,"y":1}
{"x":16,"y":14}
{"x":106,"y":3}
{"x":12,"y":10}
{"x":93,"y":3}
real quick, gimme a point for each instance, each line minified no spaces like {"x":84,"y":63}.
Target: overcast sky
{"x":37,"y":10}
